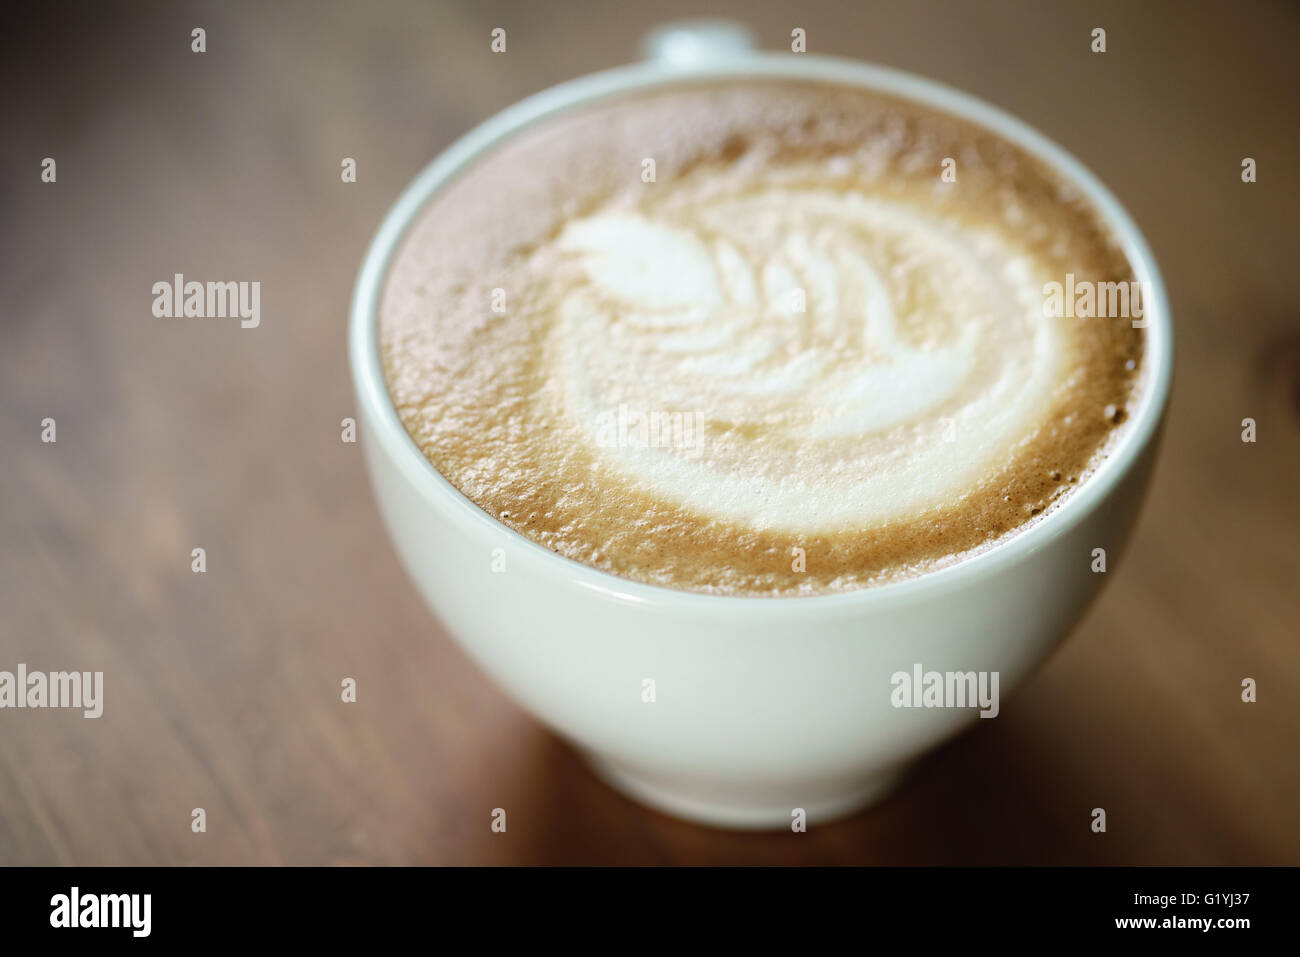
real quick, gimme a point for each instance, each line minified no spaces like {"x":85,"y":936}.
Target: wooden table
{"x":222,"y":688}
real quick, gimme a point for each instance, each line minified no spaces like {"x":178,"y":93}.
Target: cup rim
{"x":386,"y":426}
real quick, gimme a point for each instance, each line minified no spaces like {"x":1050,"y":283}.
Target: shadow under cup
{"x":760,"y":706}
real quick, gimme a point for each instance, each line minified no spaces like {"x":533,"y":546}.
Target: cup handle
{"x":685,"y":44}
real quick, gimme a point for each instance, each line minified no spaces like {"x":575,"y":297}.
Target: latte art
{"x":855,"y":360}
{"x":797,"y":362}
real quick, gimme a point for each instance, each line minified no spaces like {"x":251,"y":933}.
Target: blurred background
{"x":223,"y":688}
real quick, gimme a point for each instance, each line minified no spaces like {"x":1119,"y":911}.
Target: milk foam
{"x":855,"y":359}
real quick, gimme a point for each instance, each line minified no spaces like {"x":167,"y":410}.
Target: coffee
{"x":761,"y":338}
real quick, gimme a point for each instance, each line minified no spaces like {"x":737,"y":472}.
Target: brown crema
{"x":853,"y":341}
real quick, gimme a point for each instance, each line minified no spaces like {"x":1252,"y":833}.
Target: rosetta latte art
{"x":853,"y":359}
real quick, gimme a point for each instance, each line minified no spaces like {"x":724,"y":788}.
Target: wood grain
{"x":222,"y":689}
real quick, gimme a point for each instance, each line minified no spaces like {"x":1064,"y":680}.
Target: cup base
{"x":751,"y":809}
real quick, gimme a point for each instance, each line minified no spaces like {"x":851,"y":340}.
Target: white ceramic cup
{"x":760,"y":706}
